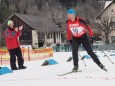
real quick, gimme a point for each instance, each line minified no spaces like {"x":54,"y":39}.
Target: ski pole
{"x":82,"y":60}
{"x":105,"y":53}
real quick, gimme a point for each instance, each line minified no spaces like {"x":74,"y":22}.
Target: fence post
{"x":1,"y":58}
{"x":28,"y":54}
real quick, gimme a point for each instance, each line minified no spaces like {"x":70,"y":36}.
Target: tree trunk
{"x":106,"y":39}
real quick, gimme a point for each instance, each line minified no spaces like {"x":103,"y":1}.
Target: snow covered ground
{"x":37,"y":75}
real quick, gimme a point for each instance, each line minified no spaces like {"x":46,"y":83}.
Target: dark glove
{"x":70,"y":41}
{"x":92,"y":40}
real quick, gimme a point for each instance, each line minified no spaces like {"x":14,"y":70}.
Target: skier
{"x":76,"y":34}
{"x":12,"y":42}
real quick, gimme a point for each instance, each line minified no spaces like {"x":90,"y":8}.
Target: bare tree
{"x":105,"y":26}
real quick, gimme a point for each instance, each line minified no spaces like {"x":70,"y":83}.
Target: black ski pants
{"x":76,"y":42}
{"x":13,"y":53}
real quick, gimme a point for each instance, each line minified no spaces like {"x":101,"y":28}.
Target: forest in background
{"x":54,"y":10}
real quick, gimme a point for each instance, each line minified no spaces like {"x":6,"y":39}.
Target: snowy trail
{"x":36,"y":74}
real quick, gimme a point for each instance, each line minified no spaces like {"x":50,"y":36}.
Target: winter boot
{"x":15,"y":68}
{"x":22,"y":67}
{"x":75,"y":69}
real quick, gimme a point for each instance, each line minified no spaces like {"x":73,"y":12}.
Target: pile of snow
{"x":107,"y":3}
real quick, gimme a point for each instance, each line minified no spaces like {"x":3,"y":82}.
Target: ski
{"x":70,"y":72}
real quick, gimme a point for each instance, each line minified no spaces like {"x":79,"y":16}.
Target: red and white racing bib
{"x":77,"y":30}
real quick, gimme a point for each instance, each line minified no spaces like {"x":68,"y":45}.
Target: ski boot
{"x":102,"y":67}
{"x":75,"y":69}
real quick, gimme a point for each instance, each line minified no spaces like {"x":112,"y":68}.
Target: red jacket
{"x":78,"y":28}
{"x":12,"y":38}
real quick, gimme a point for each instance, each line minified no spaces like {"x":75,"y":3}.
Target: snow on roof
{"x":107,"y":3}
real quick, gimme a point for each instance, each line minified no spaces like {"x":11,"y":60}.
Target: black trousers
{"x":13,"y":53}
{"x":76,"y":42}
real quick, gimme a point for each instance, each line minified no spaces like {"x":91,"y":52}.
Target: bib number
{"x":77,"y":31}
{"x":74,"y":31}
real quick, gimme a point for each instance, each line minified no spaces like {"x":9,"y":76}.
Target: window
{"x":112,"y":38}
{"x":113,"y":25}
{"x":48,"y":36}
{"x":26,"y":35}
{"x":51,"y":35}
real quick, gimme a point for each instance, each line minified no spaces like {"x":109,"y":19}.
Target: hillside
{"x":53,"y":9}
